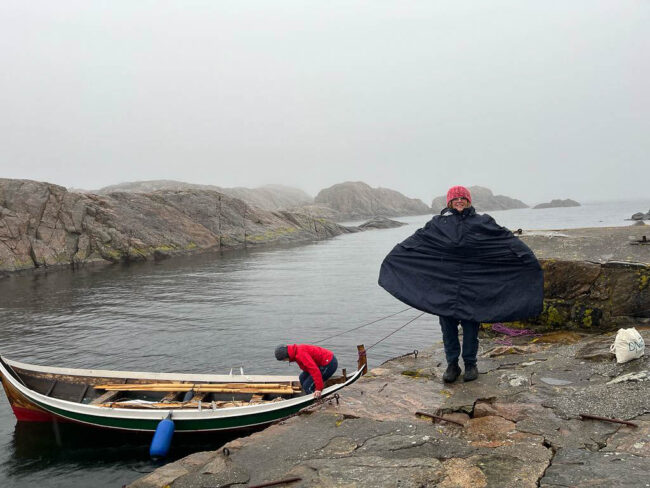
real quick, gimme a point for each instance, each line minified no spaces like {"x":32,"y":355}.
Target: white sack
{"x":628,"y":345}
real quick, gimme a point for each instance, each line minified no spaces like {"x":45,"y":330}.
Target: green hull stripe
{"x":223,"y":423}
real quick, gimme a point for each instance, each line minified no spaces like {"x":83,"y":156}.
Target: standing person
{"x":317,"y":364}
{"x":467,"y":269}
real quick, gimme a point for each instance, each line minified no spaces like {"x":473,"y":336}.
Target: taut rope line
{"x":369,"y":323}
{"x":397,"y":330}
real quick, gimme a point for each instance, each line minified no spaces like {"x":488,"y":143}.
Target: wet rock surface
{"x":509,"y":428}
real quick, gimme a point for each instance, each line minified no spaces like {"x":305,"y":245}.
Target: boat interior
{"x":147,"y":393}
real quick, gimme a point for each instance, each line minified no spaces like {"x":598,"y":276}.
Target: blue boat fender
{"x":162,"y":438}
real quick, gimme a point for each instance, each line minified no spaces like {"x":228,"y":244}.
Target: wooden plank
{"x":83,"y":393}
{"x":203,"y":388}
{"x":175,"y":405}
{"x":277,"y":391}
{"x":198,"y":397}
{"x":49,"y":391}
{"x":137,"y":386}
{"x":106,"y":397}
{"x":170,"y":396}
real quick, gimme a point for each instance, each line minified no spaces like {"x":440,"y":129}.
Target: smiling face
{"x":459,"y":204}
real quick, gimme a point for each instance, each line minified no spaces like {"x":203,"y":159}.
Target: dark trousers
{"x":326,"y":371}
{"x":449,"y":326}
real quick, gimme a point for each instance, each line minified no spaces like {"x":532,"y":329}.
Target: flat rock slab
{"x":518,"y":425}
{"x":579,"y":468}
{"x":600,"y":244}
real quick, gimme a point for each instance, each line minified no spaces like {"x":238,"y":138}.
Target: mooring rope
{"x":397,"y":330}
{"x":364,"y":325}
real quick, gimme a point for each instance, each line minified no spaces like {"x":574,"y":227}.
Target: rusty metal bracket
{"x":336,"y":397}
{"x":276,"y":483}
{"x":436,"y":417}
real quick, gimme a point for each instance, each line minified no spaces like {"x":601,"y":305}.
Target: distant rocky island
{"x":641,"y":216}
{"x":267,"y":197}
{"x":357,"y":200}
{"x":558,"y":203}
{"x":483,"y":200}
{"x":340,"y":202}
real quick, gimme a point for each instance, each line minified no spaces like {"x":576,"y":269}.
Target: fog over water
{"x":535,"y":100}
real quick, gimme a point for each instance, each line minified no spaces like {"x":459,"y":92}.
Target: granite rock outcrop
{"x":594,"y":278}
{"x":558,"y":203}
{"x":44,"y":225}
{"x":357,"y":200}
{"x":483,"y":200}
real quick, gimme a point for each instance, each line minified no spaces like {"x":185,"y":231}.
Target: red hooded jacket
{"x":309,"y":358}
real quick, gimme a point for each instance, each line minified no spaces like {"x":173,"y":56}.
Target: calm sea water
{"x":210,"y":313}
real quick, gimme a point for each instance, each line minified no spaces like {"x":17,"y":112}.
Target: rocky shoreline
{"x":524,"y":423}
{"x":519,"y":425}
{"x":44,"y":226}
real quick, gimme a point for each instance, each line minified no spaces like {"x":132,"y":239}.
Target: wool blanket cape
{"x":465,"y":265}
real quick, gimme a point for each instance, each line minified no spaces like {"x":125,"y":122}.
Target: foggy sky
{"x":535,"y":100}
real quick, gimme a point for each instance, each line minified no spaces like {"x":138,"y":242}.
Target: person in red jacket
{"x":317,"y":364}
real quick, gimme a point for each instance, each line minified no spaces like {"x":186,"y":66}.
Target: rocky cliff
{"x":43,"y":225}
{"x":357,"y":200}
{"x":483,"y":200}
{"x":558,"y":203}
{"x":268,"y":197}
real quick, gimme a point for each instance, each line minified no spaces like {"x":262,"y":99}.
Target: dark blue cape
{"x":465,"y":265}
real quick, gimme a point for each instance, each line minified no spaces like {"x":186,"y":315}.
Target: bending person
{"x":317,"y":364}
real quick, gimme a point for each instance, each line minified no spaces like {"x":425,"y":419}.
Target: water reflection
{"x":70,"y":448}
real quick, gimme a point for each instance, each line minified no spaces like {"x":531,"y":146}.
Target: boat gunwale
{"x":197,"y":377}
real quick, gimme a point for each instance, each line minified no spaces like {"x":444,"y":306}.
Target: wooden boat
{"x":138,"y":401}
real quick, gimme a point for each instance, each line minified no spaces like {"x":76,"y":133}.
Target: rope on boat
{"x":364,"y":325}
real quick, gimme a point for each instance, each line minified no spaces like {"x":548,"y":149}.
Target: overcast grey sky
{"x":535,"y":100}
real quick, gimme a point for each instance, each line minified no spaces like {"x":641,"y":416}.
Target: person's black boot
{"x":452,"y":373}
{"x":471,"y":372}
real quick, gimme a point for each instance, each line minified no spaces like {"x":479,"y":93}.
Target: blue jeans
{"x":449,"y":326}
{"x":326,"y":371}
